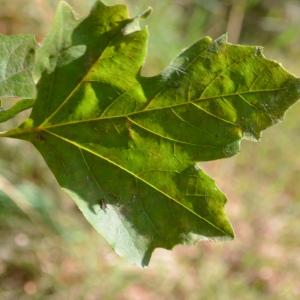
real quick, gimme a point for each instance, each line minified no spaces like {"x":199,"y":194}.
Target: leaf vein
{"x":75,"y":144}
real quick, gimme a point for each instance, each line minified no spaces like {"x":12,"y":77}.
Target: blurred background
{"x":49,"y":251}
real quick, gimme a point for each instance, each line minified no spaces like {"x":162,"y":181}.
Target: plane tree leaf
{"x":125,"y":147}
{"x":16,"y":64}
{"x":57,"y":49}
{"x":17,"y":54}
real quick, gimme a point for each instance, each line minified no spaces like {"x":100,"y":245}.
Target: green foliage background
{"x":48,"y":251}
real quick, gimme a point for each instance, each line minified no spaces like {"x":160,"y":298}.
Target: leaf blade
{"x":16,"y":61}
{"x":139,"y":193}
{"x":125,"y":147}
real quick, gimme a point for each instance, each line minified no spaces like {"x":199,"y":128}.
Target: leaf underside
{"x":125,"y":147}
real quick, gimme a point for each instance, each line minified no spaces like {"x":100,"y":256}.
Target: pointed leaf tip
{"x":145,"y":14}
{"x":223,"y":39}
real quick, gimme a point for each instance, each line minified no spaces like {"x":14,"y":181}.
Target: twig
{"x":235,"y":20}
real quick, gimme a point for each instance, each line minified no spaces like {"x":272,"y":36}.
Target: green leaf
{"x":16,"y":64}
{"x":20,"y":106}
{"x":125,"y":147}
{"x":57,"y":49}
{"x":17,"y":53}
